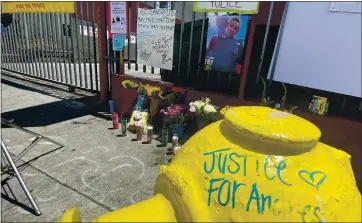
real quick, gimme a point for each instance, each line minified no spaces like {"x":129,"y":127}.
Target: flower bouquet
{"x":142,"y":97}
{"x":153,"y":94}
{"x":130,"y":84}
{"x":130,"y":97}
{"x":205,"y":112}
{"x":176,"y":118}
{"x":174,"y":95}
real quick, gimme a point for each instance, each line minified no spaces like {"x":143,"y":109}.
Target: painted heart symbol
{"x":311,"y":178}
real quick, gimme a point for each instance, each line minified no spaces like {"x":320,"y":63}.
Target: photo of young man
{"x":226,"y":36}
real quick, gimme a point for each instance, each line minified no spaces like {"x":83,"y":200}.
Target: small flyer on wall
{"x":163,"y":5}
{"x":118,"y":42}
{"x":118,"y":15}
{"x":225,"y":43}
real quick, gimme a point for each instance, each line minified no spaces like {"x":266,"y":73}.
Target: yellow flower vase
{"x":257,"y":164}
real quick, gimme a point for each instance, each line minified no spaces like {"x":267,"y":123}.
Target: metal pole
{"x":181,"y":37}
{"x":265,"y":41}
{"x":129,"y":37}
{"x":190,"y":44}
{"x":20,"y":179}
{"x":48,"y":48}
{"x":136,"y":66}
{"x":60,"y":18}
{"x":95,"y":48}
{"x":78,"y":52}
{"x":13,"y":47}
{"x":144,"y":66}
{"x":72,"y":55}
{"x":42,"y":46}
{"x":89,"y":46}
{"x":67,"y":36}
{"x":27,"y":43}
{"x":201,"y":45}
{"x":4,"y":51}
{"x":54,"y":45}
{"x":22,"y":52}
{"x":56,"y":31}
{"x":3,"y":61}
{"x":27,"y":52}
{"x":36,"y":49}
{"x":84,"y":60}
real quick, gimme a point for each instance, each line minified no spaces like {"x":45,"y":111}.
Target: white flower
{"x":202,"y":104}
{"x":207,"y":100}
{"x":192,"y":109}
{"x":209,"y":109}
{"x":197,"y":105}
{"x":191,"y":104}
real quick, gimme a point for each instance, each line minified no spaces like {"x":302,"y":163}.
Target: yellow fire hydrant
{"x":257,"y":164}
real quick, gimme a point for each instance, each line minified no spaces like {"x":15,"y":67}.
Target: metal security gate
{"x":57,"y":47}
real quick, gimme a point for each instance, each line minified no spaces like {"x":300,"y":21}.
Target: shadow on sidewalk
{"x":50,"y":113}
{"x":55,"y":112}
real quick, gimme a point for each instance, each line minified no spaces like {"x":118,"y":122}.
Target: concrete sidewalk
{"x":97,"y":170}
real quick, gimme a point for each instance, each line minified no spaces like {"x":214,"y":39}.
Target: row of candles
{"x":149,"y":133}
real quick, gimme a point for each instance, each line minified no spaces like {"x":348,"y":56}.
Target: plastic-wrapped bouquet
{"x":176,"y":114}
{"x":176,"y":118}
{"x":205,"y":112}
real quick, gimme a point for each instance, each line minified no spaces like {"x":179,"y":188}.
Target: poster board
{"x":224,"y":6}
{"x":155,"y":37}
{"x":319,"y":49}
{"x":31,"y":7}
{"x":225,"y":43}
{"x":118,"y":17}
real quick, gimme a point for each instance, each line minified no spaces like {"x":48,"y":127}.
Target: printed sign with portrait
{"x":225,"y":43}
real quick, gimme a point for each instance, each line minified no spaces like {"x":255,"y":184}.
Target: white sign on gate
{"x":155,"y":33}
{"x":241,"y":7}
{"x":118,"y":17}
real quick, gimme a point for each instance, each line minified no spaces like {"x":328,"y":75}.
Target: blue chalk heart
{"x":309,"y":178}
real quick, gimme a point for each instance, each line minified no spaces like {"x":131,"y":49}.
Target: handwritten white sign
{"x":118,"y":17}
{"x":155,"y":35}
{"x":240,"y":7}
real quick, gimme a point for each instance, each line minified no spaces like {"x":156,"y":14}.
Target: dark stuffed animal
{"x":6,"y":19}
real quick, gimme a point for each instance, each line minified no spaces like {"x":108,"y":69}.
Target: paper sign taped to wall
{"x":155,"y":33}
{"x":163,"y":5}
{"x":118,"y":17}
{"x":118,"y":41}
{"x":221,"y":6}
{"x":28,"y":7}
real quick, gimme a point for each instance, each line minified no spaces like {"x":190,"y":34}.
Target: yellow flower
{"x":129,"y":84}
